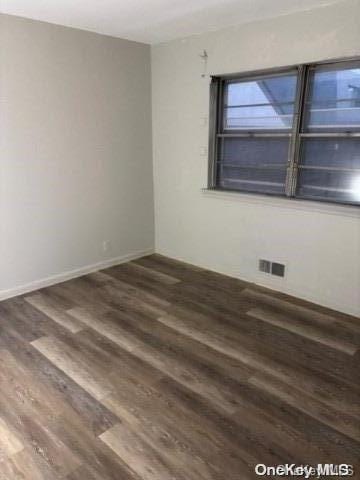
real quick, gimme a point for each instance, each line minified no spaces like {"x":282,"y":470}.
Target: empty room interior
{"x":179,"y":239}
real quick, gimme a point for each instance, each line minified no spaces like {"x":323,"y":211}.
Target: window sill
{"x":283,"y":202}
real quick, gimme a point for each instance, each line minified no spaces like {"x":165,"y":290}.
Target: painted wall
{"x":320,"y":244}
{"x":76,"y":166}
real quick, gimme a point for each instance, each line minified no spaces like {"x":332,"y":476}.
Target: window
{"x":294,"y":132}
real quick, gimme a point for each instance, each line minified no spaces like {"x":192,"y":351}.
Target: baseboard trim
{"x":78,"y":272}
{"x":292,"y":290}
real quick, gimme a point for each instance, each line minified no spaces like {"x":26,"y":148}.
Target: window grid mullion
{"x":295,"y":142}
{"x":253,"y":134}
{"x":215,"y":92}
{"x":330,"y":135}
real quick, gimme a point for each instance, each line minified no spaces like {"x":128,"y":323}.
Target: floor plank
{"x":307,"y":331}
{"x":9,"y":443}
{"x":41,"y":303}
{"x":69,"y":362}
{"x":140,"y":456}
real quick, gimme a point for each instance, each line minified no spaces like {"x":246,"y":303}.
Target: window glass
{"x":256,"y":152}
{"x":329,"y":185}
{"x":334,"y":100}
{"x":253,"y":164}
{"x":254,"y":180}
{"x":329,"y":166}
{"x":331,"y":152}
{"x":264,"y":103}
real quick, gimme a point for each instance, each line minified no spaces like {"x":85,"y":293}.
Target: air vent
{"x":273,"y":268}
{"x":278,"y":269}
{"x":264,"y":266}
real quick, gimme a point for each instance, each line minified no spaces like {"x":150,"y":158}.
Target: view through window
{"x":293,"y":132}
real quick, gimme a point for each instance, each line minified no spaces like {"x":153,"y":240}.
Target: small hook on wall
{"x":204,"y":56}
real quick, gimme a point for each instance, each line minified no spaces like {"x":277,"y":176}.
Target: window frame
{"x":296,"y":134}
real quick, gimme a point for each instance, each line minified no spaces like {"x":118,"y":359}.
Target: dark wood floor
{"x":157,"y":370}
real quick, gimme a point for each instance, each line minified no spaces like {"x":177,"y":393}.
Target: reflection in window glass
{"x":264,"y":103}
{"x":334,"y":99}
{"x":329,"y":185}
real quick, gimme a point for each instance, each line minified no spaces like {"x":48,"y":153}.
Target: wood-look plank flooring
{"x":159,"y":370}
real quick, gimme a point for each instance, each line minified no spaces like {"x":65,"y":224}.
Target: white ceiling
{"x":154,"y":21}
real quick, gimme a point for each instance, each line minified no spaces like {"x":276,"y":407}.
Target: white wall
{"x":320,"y":244}
{"x":76,"y":166}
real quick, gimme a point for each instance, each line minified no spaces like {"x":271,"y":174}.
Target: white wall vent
{"x":272,"y":268}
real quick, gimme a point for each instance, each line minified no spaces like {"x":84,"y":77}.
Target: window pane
{"x":264,"y":103}
{"x":330,"y":167}
{"x":329,"y":185}
{"x":259,"y":117}
{"x":334,"y":118}
{"x":334,"y":99}
{"x":253,"y":164}
{"x":275,"y":89}
{"x":254,"y":152}
{"x":331,"y":152}
{"x":259,"y":180}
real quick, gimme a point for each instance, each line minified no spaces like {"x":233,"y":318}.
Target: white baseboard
{"x":294,"y":290}
{"x":78,"y":272}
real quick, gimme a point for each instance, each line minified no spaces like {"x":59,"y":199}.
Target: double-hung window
{"x":293,"y":132}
